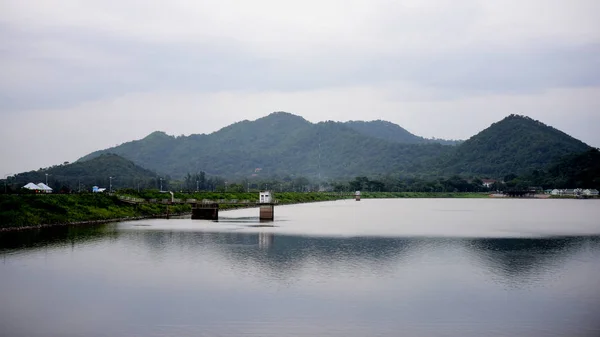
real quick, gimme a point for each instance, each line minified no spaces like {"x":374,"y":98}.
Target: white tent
{"x":32,"y":186}
{"x":45,"y":188}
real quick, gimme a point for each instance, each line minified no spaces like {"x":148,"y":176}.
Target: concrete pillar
{"x":267,"y":212}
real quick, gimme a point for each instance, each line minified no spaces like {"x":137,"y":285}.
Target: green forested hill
{"x":393,"y":133}
{"x":516,"y":145}
{"x":93,"y":172}
{"x":280,"y":143}
{"x":286,"y":145}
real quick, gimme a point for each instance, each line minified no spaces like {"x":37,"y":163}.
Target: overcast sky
{"x":78,"y":76}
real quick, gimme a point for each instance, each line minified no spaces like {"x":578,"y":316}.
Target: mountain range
{"x":284,"y":144}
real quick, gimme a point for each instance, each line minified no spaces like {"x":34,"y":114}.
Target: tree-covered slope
{"x":285,"y":144}
{"x":574,"y":171}
{"x":280,"y":143}
{"x":392,"y":132}
{"x":516,"y":144}
{"x":386,"y":131}
{"x":93,"y":172}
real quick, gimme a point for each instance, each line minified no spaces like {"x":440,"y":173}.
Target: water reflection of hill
{"x":56,"y":236}
{"x":522,"y":261}
{"x":514,"y":262}
{"x":278,"y":256}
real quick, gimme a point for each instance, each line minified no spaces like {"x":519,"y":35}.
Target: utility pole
{"x":46,"y":179}
{"x":161,"y":184}
{"x":6,"y":176}
{"x":197,"y":185}
{"x":110,"y":184}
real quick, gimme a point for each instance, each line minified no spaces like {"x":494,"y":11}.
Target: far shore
{"x":30,"y":213}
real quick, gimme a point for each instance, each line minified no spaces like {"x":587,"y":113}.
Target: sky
{"x":83,"y":75}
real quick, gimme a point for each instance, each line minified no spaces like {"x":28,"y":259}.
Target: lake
{"x":393,"y":267}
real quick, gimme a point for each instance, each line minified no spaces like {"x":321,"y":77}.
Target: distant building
{"x":45,"y":188}
{"x":556,"y":192}
{"x":592,"y":192}
{"x":572,"y":191}
{"x":32,"y":186}
{"x":265,"y":197}
{"x":96,"y":189}
{"x":488,"y":182}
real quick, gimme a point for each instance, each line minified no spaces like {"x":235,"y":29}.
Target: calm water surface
{"x":413,"y":267}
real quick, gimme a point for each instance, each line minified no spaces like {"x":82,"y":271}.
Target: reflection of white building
{"x":265,"y":240}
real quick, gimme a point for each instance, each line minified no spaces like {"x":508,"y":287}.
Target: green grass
{"x":33,"y":210}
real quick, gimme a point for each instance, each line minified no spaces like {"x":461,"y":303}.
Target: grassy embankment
{"x":35,"y":210}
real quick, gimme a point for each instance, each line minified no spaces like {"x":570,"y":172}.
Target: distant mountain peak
{"x":284,"y":115}
{"x":515,"y":144}
{"x":158,"y":134}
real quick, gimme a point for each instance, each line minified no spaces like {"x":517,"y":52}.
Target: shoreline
{"x":367,"y":195}
{"x":162,"y":216}
{"x":89,"y":222}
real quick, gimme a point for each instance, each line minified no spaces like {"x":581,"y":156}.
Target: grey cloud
{"x":228,"y":65}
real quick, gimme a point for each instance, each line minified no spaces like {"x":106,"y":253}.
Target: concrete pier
{"x":267,"y":212}
{"x":206,"y":212}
